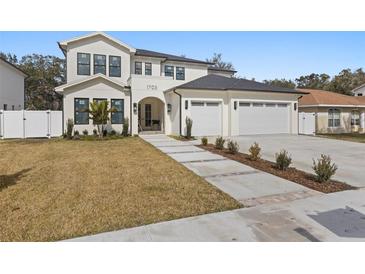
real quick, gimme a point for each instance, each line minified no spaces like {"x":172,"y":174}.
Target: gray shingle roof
{"x":149,"y":53}
{"x":217,"y":82}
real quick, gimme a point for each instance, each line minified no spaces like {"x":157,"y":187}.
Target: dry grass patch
{"x":53,"y":190}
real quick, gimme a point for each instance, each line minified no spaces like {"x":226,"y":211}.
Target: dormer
{"x":97,"y":53}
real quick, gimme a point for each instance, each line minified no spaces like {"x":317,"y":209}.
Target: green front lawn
{"x":59,"y":189}
{"x":352,"y":137}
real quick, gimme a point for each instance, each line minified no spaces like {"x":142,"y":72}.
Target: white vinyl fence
{"x":30,"y":124}
{"x":307,"y":123}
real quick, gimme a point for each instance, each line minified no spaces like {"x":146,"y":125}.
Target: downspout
{"x":180,"y":110}
{"x":130,"y":111}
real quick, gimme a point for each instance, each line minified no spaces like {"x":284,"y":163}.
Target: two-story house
{"x":11,"y":86}
{"x":157,"y":91}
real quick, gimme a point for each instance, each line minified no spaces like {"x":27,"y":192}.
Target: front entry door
{"x":147,"y":115}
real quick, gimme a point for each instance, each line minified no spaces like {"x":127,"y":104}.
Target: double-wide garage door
{"x":207,"y":118}
{"x":263,"y":118}
{"x":253,"y":118}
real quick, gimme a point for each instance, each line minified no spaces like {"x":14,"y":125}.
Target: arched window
{"x":334,"y":117}
{"x":355,"y":118}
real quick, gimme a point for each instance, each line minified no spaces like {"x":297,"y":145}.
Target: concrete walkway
{"x":247,"y":185}
{"x":333,"y":217}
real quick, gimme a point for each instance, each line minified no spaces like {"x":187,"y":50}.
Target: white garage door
{"x":263,"y":118}
{"x":207,"y":118}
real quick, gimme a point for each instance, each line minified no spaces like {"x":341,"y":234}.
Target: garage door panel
{"x":259,"y":118}
{"x":207,"y":118}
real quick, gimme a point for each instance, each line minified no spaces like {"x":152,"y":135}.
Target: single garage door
{"x":263,"y":118}
{"x":207,"y":118}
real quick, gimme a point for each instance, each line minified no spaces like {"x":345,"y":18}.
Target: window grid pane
{"x":83,"y":64}
{"x":118,"y":116}
{"x":148,"y":69}
{"x":138,"y":68}
{"x":80,"y":108}
{"x":169,"y":71}
{"x":180,"y":73}
{"x":114,"y":66}
{"x":99,"y":64}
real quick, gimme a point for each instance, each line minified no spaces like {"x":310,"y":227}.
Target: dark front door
{"x":148,"y":115}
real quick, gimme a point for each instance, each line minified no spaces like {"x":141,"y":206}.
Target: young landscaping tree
{"x":69,"y":128}
{"x":324,"y":168}
{"x":99,"y":113}
{"x":189,"y":125}
{"x":125,"y":127}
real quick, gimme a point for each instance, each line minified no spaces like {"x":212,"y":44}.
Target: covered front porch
{"x":151,"y":116}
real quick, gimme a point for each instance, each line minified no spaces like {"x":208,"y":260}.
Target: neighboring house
{"x":11,"y":86}
{"x":335,"y":113}
{"x":359,"y":91}
{"x":157,"y":91}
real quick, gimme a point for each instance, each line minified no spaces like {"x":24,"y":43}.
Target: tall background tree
{"x":219,"y":63}
{"x":281,"y":83}
{"x":45,"y":73}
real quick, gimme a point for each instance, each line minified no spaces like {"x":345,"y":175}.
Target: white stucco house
{"x":157,"y":91}
{"x":359,"y":91}
{"x":11,"y":86}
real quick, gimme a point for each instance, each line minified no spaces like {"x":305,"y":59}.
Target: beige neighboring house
{"x":11,"y":86}
{"x":158,"y":91}
{"x":359,"y":91}
{"x":335,"y":113}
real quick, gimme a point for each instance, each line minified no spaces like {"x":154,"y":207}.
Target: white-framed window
{"x":334,"y":117}
{"x":169,"y":71}
{"x":355,"y":118}
{"x":180,"y":73}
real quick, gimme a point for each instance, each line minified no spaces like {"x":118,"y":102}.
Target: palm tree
{"x":99,"y":112}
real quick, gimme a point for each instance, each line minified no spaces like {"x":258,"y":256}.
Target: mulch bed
{"x":291,"y":174}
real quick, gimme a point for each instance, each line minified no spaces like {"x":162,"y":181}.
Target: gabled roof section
{"x":322,"y":97}
{"x":63,"y":44}
{"x":217,"y":82}
{"x":88,"y":79}
{"x":168,"y":57}
{"x":15,"y":67}
{"x":357,"y":88}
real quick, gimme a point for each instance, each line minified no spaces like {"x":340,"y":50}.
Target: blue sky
{"x":259,"y":55}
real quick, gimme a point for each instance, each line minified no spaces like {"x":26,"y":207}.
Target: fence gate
{"x":30,"y":124}
{"x":307,"y":123}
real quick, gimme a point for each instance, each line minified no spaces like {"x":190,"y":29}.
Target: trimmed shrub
{"x":324,"y":168}
{"x":113,"y":132}
{"x":105,"y":133}
{"x":125,"y":127}
{"x":204,"y":141}
{"x":85,"y":132}
{"x":255,"y":150}
{"x":219,"y":143}
{"x":95,"y":132}
{"x":189,"y":125}
{"x":69,"y":128}
{"x":233,"y":147}
{"x":283,"y":160}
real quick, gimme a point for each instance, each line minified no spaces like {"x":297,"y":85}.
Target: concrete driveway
{"x":349,"y":156}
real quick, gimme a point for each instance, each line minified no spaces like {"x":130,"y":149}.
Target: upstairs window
{"x":81,"y":105}
{"x":169,"y":71}
{"x":137,"y":67}
{"x":148,"y":69}
{"x":334,"y":117}
{"x":117,"y":117}
{"x":355,"y":118}
{"x":83,"y":63}
{"x":99,"y":64}
{"x":180,"y":73}
{"x":114,"y":66}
